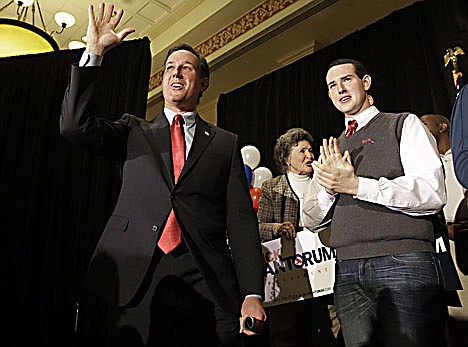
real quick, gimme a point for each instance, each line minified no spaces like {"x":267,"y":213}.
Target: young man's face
{"x":347,"y":91}
{"x":181,"y":83}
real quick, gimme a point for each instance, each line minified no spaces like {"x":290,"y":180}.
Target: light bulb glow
{"x":75,"y":45}
{"x":64,"y":18}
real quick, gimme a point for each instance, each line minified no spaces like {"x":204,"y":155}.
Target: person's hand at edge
{"x":252,"y":307}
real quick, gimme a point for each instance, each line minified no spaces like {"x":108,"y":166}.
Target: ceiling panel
{"x":154,"y":12}
{"x":170,"y":4}
{"x":130,"y":6}
{"x":139,"y":23}
{"x":141,"y":14}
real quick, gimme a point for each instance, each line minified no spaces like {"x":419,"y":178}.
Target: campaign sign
{"x":297,"y":269}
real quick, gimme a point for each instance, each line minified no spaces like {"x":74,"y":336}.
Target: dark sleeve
{"x":459,"y":136}
{"x":242,"y":230}
{"x":79,"y":122}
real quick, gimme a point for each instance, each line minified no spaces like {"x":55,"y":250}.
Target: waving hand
{"x":101,"y":35}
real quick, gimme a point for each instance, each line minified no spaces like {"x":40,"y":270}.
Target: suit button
{"x":155,"y":228}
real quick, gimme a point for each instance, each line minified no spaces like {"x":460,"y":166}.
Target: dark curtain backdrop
{"x":55,"y":198}
{"x":403,"y":53}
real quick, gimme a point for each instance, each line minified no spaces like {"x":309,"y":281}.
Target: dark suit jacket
{"x":459,"y":137}
{"x":211,"y":198}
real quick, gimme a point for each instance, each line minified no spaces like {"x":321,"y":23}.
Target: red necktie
{"x":352,"y":126}
{"x":171,"y":235}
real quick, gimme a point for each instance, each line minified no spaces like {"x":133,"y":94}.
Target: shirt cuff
{"x":325,"y":200}
{"x":368,"y":189}
{"x":254,"y":296}
{"x":90,"y":59}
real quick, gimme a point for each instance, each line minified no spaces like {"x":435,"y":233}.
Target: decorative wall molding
{"x":155,"y":80}
{"x":250,"y":20}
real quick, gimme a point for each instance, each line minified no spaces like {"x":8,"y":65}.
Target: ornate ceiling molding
{"x":247,"y":22}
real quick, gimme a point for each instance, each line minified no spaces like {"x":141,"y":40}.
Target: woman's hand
{"x":285,"y":229}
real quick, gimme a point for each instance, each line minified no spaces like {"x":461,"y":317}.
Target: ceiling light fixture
{"x":18,"y":37}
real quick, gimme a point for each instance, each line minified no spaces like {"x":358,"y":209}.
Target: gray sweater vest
{"x":361,"y":229}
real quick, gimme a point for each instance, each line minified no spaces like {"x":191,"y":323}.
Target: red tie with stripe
{"x":352,"y":126}
{"x":171,"y":235}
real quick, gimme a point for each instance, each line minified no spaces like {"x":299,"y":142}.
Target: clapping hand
{"x":335,"y":171}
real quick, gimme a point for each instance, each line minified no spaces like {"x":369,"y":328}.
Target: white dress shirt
{"x":189,"y":126}
{"x":421,"y":190}
{"x":90,"y":59}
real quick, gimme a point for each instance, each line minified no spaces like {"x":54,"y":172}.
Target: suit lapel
{"x":160,"y":140}
{"x":203,"y":136}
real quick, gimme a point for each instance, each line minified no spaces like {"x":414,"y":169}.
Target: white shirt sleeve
{"x":90,"y":59}
{"x":325,"y":200}
{"x":421,"y":190}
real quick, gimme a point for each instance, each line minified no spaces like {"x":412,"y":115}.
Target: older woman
{"x":289,"y":203}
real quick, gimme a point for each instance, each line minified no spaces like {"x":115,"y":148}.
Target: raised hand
{"x":335,"y":172}
{"x":101,"y":35}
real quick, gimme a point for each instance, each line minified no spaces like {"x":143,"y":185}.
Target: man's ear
{"x":366,"y":82}
{"x":205,"y":82}
{"x":443,"y":127}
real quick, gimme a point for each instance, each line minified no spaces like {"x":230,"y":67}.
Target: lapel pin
{"x":207,"y":133}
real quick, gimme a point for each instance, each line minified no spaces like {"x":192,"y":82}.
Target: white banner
{"x":297,"y":269}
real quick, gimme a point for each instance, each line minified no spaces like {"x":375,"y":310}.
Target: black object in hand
{"x":251,"y":324}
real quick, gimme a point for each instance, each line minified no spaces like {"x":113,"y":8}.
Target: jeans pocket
{"x":417,"y":269}
{"x":414,"y":258}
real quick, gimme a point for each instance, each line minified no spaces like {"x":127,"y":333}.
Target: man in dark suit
{"x":139,"y":290}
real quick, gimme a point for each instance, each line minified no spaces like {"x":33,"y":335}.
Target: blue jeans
{"x":395,"y":300}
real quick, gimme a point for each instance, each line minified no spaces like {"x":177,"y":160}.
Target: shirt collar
{"x":449,"y":152}
{"x":364,"y":117}
{"x":189,"y":117}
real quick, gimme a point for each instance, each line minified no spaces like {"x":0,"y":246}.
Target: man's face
{"x":347,"y":91}
{"x":432,"y":124}
{"x":300,"y":159}
{"x":181,"y":83}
